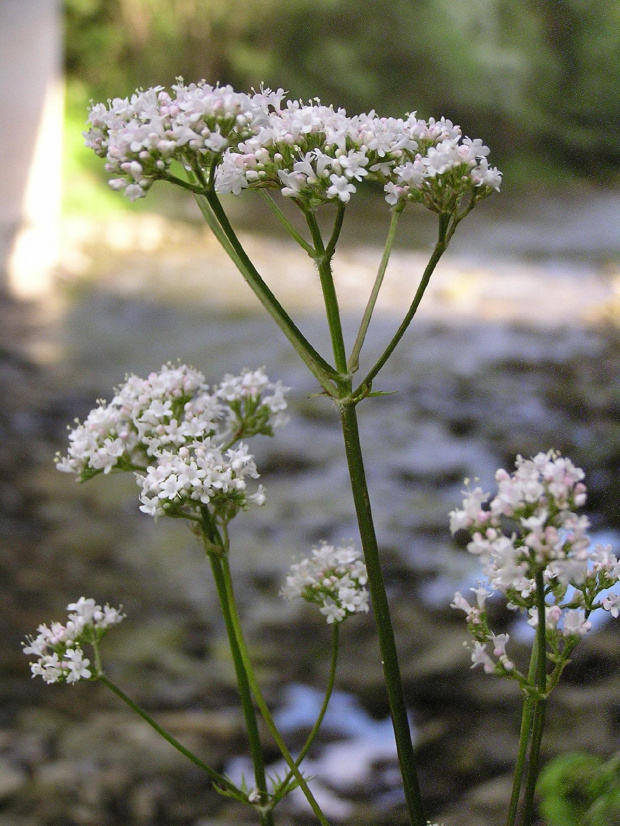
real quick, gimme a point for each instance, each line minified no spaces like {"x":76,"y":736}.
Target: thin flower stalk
{"x":220,"y":780}
{"x":60,"y":658}
{"x":319,"y":720}
{"x":438,"y":251}
{"x":538,"y":723}
{"x":245,"y":693}
{"x":258,"y":695}
{"x":353,"y":364}
{"x":539,"y":704}
{"x":323,"y":259}
{"x":323,"y":372}
{"x":297,"y":236}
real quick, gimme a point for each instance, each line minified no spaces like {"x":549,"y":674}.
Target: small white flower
{"x":59,"y":648}
{"x":334,"y":578}
{"x":611,"y":603}
{"x":479,"y":656}
{"x":76,"y":664}
{"x":575,"y":623}
{"x":499,"y":644}
{"x":341,"y":188}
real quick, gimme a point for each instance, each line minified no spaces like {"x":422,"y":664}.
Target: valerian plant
{"x":185,"y":442}
{"x":535,"y":551}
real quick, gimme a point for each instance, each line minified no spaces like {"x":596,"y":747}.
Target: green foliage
{"x":579,"y":789}
{"x":85,"y":191}
{"x":535,"y":77}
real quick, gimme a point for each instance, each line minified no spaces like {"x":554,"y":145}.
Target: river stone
{"x":12,"y":779}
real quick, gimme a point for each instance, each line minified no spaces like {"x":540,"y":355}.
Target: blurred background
{"x":515,"y":350}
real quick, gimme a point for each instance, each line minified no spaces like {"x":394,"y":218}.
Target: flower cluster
{"x":312,"y":153}
{"x":59,"y":648}
{"x":180,"y":438}
{"x":142,"y":136}
{"x":334,"y":578}
{"x":530,"y":529}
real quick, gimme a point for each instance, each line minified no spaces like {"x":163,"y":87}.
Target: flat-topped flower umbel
{"x":312,"y":153}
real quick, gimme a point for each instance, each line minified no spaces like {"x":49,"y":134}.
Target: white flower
{"x":181,"y":440}
{"x":334,"y":578}
{"x":485,"y":175}
{"x":310,"y":152}
{"x":575,"y":623}
{"x":76,"y":665}
{"x":59,"y":648}
{"x":553,"y":614}
{"x":531,"y":529}
{"x":479,"y":656}
{"x":499,"y":644}
{"x":611,"y":603}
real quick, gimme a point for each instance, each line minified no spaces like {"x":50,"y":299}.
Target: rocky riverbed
{"x":507,"y":357}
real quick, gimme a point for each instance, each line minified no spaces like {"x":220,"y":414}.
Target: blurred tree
{"x":583,"y":103}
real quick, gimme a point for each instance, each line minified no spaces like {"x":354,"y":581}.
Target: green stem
{"x":524,"y":737}
{"x":215,"y":776}
{"x":197,"y":189}
{"x":260,"y":700}
{"x":438,"y":251}
{"x":317,"y":725}
{"x":337,"y":228}
{"x":323,"y":257}
{"x":539,"y":703}
{"x":219,"y":223}
{"x":387,"y":643}
{"x":370,"y":306}
{"x":245,"y":694}
{"x":554,"y":678}
{"x":533,"y":765}
{"x":297,"y":236}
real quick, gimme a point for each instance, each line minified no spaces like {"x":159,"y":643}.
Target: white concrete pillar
{"x":31,"y":104}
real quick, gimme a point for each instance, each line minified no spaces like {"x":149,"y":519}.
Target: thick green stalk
{"x":370,"y":306}
{"x":438,"y":251}
{"x":218,"y":221}
{"x":539,"y":704}
{"x":245,"y":694}
{"x":260,"y":700}
{"x":215,"y":776}
{"x":381,"y":609}
{"x":319,"y":720}
{"x":524,"y":738}
{"x":323,"y":258}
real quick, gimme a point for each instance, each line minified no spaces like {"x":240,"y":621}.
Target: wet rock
{"x":12,"y":779}
{"x":485,"y":805}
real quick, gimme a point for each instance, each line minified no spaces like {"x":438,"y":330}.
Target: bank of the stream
{"x":478,"y":380}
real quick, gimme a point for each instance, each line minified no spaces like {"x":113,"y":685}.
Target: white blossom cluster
{"x":180,"y":438}
{"x":312,"y":153}
{"x":59,"y":648}
{"x":140,"y":137}
{"x":334,"y":578}
{"x":531,"y":527}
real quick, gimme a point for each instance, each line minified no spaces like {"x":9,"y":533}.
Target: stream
{"x":516,"y":349}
